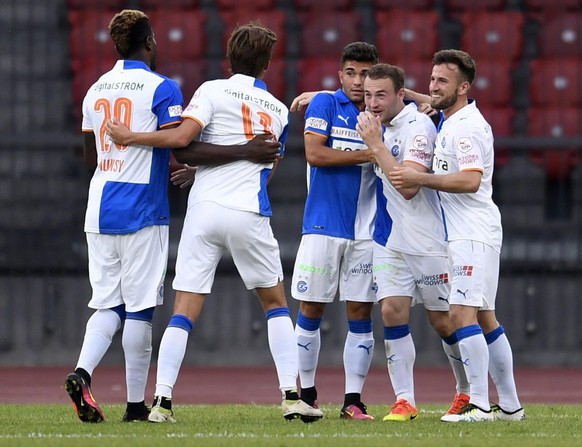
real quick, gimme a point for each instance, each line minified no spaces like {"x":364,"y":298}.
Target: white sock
{"x":170,"y":357}
{"x":283,"y":346}
{"x":475,"y":355}
{"x":308,"y":345}
{"x":101,"y":327}
{"x":358,"y":352}
{"x":501,"y":370}
{"x":137,"y":347}
{"x":454,"y":355}
{"x":400,"y":357}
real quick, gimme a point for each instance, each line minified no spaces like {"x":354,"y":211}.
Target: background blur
{"x":529,"y":87}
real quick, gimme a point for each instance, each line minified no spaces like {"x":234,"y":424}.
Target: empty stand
{"x":501,"y":121}
{"x":556,"y":82}
{"x":112,"y":5}
{"x":554,"y":5}
{"x":153,"y":4}
{"x":410,"y":4}
{"x":464,"y":5}
{"x":407,"y":34}
{"x":555,"y":122}
{"x":493,"y":35}
{"x":228,"y":5}
{"x":89,"y":39}
{"x":560,"y":35}
{"x":318,"y":74}
{"x":180,"y":34}
{"x":493,"y":84}
{"x":416,"y":72}
{"x":326,"y":34}
{"x":323,"y":5}
{"x":274,"y":20}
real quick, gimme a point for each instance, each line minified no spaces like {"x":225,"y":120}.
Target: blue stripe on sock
{"x":396,"y":332}
{"x":141,"y":315}
{"x":469,"y":331}
{"x":451,"y":339}
{"x":278,"y":312}
{"x":494,"y":334}
{"x":360,"y":326}
{"x":309,"y":324}
{"x":182,"y":322}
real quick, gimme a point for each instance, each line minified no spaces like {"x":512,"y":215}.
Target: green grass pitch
{"x":263,"y":425}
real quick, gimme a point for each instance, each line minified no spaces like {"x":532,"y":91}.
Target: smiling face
{"x":448,"y":90}
{"x":382,"y":99}
{"x":352,"y":77}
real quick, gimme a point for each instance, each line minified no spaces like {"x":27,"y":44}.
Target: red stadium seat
{"x":274,"y":20}
{"x":228,"y":5}
{"x":112,"y":5}
{"x":407,"y":34}
{"x":318,"y":74}
{"x":416,"y":73}
{"x":154,"y":4}
{"x":180,"y":34}
{"x":554,"y":5}
{"x":326,"y":34}
{"x":561,"y":35}
{"x":481,"y":5}
{"x":275,"y":77}
{"x":410,"y":4}
{"x":323,"y":5}
{"x":501,"y":121}
{"x":89,"y":40}
{"x":188,"y":75}
{"x":555,"y":122}
{"x":493,"y":84}
{"x":493,"y":35}
{"x":556,"y":82}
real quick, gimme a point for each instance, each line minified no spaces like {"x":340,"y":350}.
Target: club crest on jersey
{"x":395,"y":150}
{"x":443,"y":142}
{"x":302,"y":287}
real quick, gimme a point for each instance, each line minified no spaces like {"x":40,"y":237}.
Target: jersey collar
{"x":129,"y":64}
{"x":249,"y":80}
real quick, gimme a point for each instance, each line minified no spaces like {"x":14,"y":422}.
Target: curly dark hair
{"x":129,"y":29}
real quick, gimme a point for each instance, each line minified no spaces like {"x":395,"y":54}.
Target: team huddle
{"x":398,"y":211}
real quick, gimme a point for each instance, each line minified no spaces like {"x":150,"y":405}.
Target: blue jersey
{"x":128,"y":190}
{"x":340,"y":200}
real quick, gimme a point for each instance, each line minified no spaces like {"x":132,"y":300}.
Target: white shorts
{"x":209,"y":229}
{"x":475,"y":274}
{"x":423,"y":278}
{"x":128,"y":268}
{"x":324,"y":262}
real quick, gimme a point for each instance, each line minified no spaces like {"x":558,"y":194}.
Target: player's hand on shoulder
{"x":263,"y":148}
{"x":183,"y":177}
{"x":118,"y":132}
{"x":303,"y":100}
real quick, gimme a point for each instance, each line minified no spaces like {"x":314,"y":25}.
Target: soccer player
{"x":463,"y":170}
{"x":410,"y":251}
{"x":228,"y":208}
{"x":127,"y":213}
{"x":336,"y":245}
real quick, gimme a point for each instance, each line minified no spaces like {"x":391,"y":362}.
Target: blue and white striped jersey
{"x":128,"y":190}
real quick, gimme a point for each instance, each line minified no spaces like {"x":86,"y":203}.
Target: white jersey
{"x":464,"y":143}
{"x":412,"y":226}
{"x":232,"y":111}
{"x":128,"y":190}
